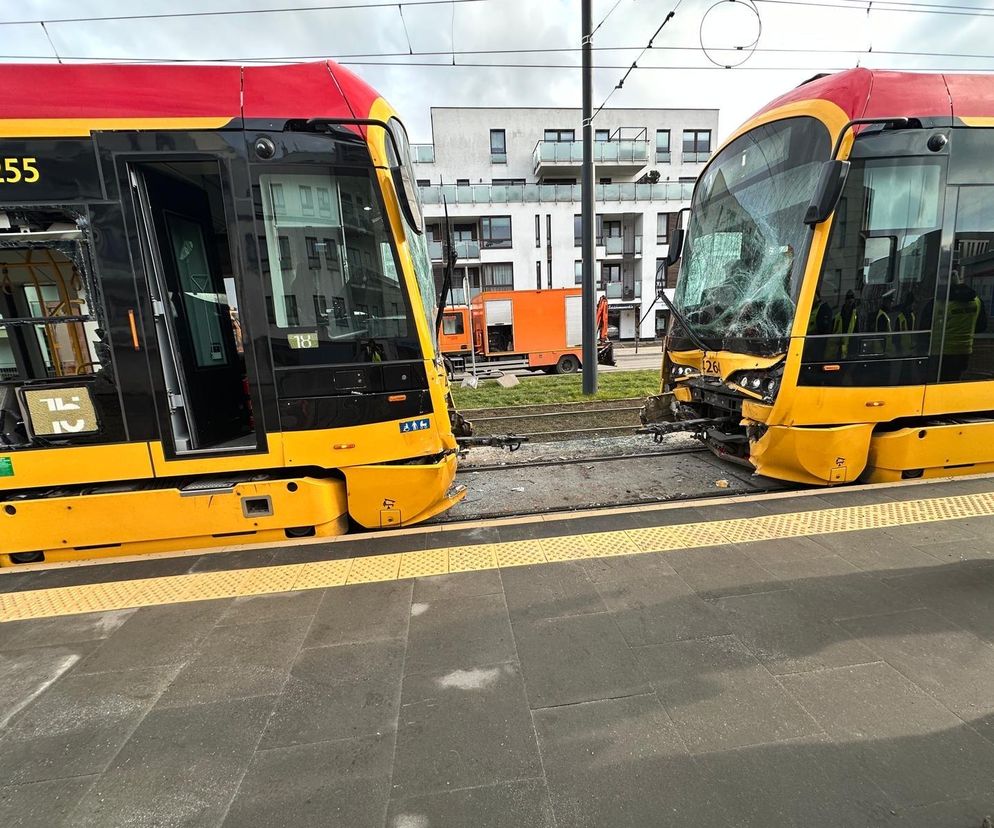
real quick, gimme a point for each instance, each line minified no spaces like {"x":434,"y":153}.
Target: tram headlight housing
{"x":764,"y":383}
{"x":682,"y":371}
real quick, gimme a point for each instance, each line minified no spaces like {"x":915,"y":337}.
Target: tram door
{"x":195,"y":304}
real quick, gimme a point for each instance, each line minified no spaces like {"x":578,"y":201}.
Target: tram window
{"x":46,"y":326}
{"x":961,"y":315}
{"x":874,"y":294}
{"x":333,"y":273}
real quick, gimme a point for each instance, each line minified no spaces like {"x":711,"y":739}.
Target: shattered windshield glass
{"x":743,"y":258}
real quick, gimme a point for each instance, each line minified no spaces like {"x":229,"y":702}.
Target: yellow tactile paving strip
{"x":43,"y":603}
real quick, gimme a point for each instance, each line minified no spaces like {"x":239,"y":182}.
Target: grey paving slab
{"x":875,"y":550}
{"x":649,"y":566}
{"x":715,"y":571}
{"x":550,"y":591}
{"x":620,"y":763}
{"x":653,"y":611}
{"x":250,"y":609}
{"x":958,"y":591}
{"x":338,"y":692}
{"x":180,"y":767}
{"x":70,"y":575}
{"x":979,"y":549}
{"x":523,"y":804}
{"x":925,"y":534}
{"x":26,"y":674}
{"x":457,"y":585}
{"x":41,"y":804}
{"x":782,"y":550}
{"x":955,"y":813}
{"x":338,"y":784}
{"x":798,"y":783}
{"x":14,"y":581}
{"x":155,"y":636}
{"x":834,"y":588}
{"x":65,"y":629}
{"x":784,"y":633}
{"x":364,"y":612}
{"x":947,"y":661}
{"x":576,"y":658}
{"x":458,"y":634}
{"x":719,"y":696}
{"x":239,"y":661}
{"x":463,"y":729}
{"x":79,"y":724}
{"x":240,"y":559}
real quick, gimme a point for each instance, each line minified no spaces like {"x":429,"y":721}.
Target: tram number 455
{"x":711,"y":367}
{"x":18,"y":171}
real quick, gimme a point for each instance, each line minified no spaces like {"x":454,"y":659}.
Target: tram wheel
{"x":27,"y":557}
{"x":299,"y":531}
{"x":568,"y":364}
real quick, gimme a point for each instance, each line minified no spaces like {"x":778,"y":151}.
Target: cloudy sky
{"x":795,"y":42}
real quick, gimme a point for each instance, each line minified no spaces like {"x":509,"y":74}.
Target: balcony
{"x":616,"y":290}
{"x":489,"y":194}
{"x":611,"y":157}
{"x":423,"y":153}
{"x":620,"y":246}
{"x":465,"y":249}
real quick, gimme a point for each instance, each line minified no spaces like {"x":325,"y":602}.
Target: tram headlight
{"x":754,"y":383}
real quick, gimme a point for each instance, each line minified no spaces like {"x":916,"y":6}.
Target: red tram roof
{"x":140,"y":91}
{"x":867,"y":93}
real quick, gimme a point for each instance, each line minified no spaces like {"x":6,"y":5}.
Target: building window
{"x":538,"y":275}
{"x":498,"y":147}
{"x":498,"y":276}
{"x":612,"y":229}
{"x":603,"y":180}
{"x":306,"y":200}
{"x":424,"y":182}
{"x":578,"y":272}
{"x":496,"y":231}
{"x":662,"y":146}
{"x":462,"y":182}
{"x":696,"y":145}
{"x":602,"y":135}
{"x":559,"y":136}
{"x":662,"y":227}
{"x":577,"y":231}
{"x":610,"y":274}
{"x":538,"y":231}
{"x":507,"y":182}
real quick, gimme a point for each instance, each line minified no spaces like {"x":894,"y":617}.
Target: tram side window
{"x":47,"y":330}
{"x":874,"y":295}
{"x":967,"y":349}
{"x":334,"y":288}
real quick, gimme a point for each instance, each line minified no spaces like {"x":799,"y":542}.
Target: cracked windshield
{"x":743,"y":256}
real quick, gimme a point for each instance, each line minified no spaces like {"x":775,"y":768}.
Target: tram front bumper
{"x":816,"y":456}
{"x":402,"y":494}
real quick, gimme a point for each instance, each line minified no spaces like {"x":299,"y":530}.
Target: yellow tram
{"x":217,"y":312}
{"x":830,"y":322}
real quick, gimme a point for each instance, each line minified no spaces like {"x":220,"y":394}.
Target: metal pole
{"x":587,"y":211}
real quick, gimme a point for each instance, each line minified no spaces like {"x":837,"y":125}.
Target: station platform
{"x":808,"y":659}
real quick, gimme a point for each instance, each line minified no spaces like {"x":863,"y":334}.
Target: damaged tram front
{"x":830,"y":317}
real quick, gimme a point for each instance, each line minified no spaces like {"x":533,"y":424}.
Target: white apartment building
{"x":511,"y":180}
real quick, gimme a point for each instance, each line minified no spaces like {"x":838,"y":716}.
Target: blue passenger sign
{"x":415,"y":425}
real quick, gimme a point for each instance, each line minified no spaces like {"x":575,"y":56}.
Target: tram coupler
{"x":512,"y":442}
{"x":660,"y":430}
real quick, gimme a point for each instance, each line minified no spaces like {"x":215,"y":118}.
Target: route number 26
{"x":711,"y":367}
{"x":17,"y":170}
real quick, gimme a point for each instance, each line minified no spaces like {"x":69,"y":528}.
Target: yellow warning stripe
{"x":82,"y":127}
{"x":202,"y":586}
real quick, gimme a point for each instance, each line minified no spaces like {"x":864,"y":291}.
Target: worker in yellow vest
{"x":882,"y":322}
{"x":843,"y":326}
{"x":906,"y":322}
{"x":965,"y":317}
{"x":819,"y":324}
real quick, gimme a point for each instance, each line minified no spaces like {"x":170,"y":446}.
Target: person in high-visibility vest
{"x":906,"y":322}
{"x":882,"y":323}
{"x":819,"y":324}
{"x":964,"y":317}
{"x":843,"y":326}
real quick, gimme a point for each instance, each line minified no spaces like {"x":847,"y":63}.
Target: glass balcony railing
{"x":605,"y":152}
{"x":616,"y":290}
{"x":662,"y":156}
{"x":423,"y":153}
{"x":498,"y":157}
{"x":465,"y":249}
{"x":613,"y":290}
{"x":555,"y":193}
{"x":695,"y":157}
{"x":619,"y":246}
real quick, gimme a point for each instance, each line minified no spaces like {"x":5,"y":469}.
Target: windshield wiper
{"x":680,"y":317}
